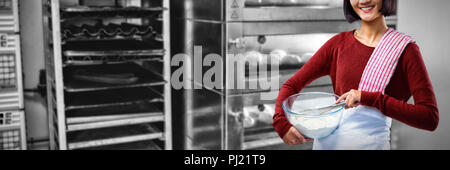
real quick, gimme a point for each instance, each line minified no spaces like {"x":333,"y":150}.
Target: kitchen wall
{"x":33,"y":60}
{"x":428,"y":23}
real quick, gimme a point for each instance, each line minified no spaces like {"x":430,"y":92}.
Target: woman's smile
{"x":367,"y":10}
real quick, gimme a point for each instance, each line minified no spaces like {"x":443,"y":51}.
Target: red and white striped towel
{"x":383,"y":61}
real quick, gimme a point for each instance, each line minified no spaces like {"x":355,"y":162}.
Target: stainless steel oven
{"x":230,"y":118}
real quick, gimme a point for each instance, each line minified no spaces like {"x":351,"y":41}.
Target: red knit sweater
{"x":344,"y":58}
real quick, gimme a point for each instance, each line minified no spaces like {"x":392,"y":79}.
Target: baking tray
{"x":111,"y":59}
{"x":146,"y":77}
{"x":102,"y":30}
{"x":106,"y":98}
{"x":116,"y":112}
{"x":111,"y":136}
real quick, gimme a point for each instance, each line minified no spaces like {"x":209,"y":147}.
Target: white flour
{"x":315,"y":127}
{"x":318,"y":126}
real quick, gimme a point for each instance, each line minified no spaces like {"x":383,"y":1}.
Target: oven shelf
{"x":154,"y":36}
{"x":260,"y":135}
{"x":112,"y":48}
{"x":73,"y":53}
{"x":84,"y":11}
{"x":150,"y":118}
{"x":145,"y":77}
{"x":259,"y":127}
{"x":116,"y":112}
{"x":141,"y":145}
{"x":111,"y":136}
{"x":95,"y":99}
{"x":156,"y":17}
{"x":95,"y":60}
{"x":266,"y":140}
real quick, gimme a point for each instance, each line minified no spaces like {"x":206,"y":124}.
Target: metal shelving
{"x":102,"y":93}
{"x":12,"y":116}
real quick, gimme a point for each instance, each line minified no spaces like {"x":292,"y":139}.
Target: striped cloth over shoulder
{"x":383,"y":61}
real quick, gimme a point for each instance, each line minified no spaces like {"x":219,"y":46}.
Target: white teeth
{"x":366,"y":9}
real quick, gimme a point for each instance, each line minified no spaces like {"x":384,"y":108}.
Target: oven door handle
{"x":238,"y":115}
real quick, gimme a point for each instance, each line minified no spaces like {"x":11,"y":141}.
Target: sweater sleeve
{"x":423,"y":114}
{"x":316,"y":67}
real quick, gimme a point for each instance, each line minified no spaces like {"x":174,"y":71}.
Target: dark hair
{"x":389,"y":7}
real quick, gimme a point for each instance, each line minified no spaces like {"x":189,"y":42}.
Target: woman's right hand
{"x":293,"y":137}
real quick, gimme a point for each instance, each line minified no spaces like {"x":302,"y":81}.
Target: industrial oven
{"x":107,"y":69}
{"x":231,"y":118}
{"x":12,"y":117}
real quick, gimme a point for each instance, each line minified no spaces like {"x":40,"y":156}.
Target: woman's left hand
{"x":352,"y":98}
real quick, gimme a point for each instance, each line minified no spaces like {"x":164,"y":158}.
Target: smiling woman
{"x":375,"y":69}
{"x":353,"y":10}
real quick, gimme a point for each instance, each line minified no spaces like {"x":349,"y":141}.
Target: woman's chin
{"x":369,"y":18}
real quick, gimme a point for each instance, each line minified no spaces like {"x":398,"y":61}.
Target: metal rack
{"x":107,"y":74}
{"x":12,"y":116}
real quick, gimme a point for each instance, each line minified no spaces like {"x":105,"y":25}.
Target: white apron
{"x":361,"y":128}
{"x":365,"y":127}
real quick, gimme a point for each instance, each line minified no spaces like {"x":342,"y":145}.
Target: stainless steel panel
{"x":203,"y":120}
{"x":234,"y":128}
{"x":281,"y":10}
{"x":284,"y":28}
{"x":240,"y":10}
{"x":293,"y":13}
{"x":279,"y":3}
{"x":210,"y":42}
{"x":198,"y":9}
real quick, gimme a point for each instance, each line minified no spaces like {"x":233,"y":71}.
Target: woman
{"x":353,"y":60}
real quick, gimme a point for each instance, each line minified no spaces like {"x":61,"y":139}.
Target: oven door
{"x":291,"y":44}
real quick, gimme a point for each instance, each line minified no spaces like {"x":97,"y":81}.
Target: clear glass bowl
{"x":313,"y":114}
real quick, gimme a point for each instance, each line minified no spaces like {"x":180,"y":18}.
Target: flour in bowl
{"x":315,"y":127}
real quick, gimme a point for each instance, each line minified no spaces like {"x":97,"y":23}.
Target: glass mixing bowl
{"x":314,"y":114}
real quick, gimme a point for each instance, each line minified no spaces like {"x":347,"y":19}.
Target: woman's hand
{"x":352,"y":98}
{"x":293,"y":137}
